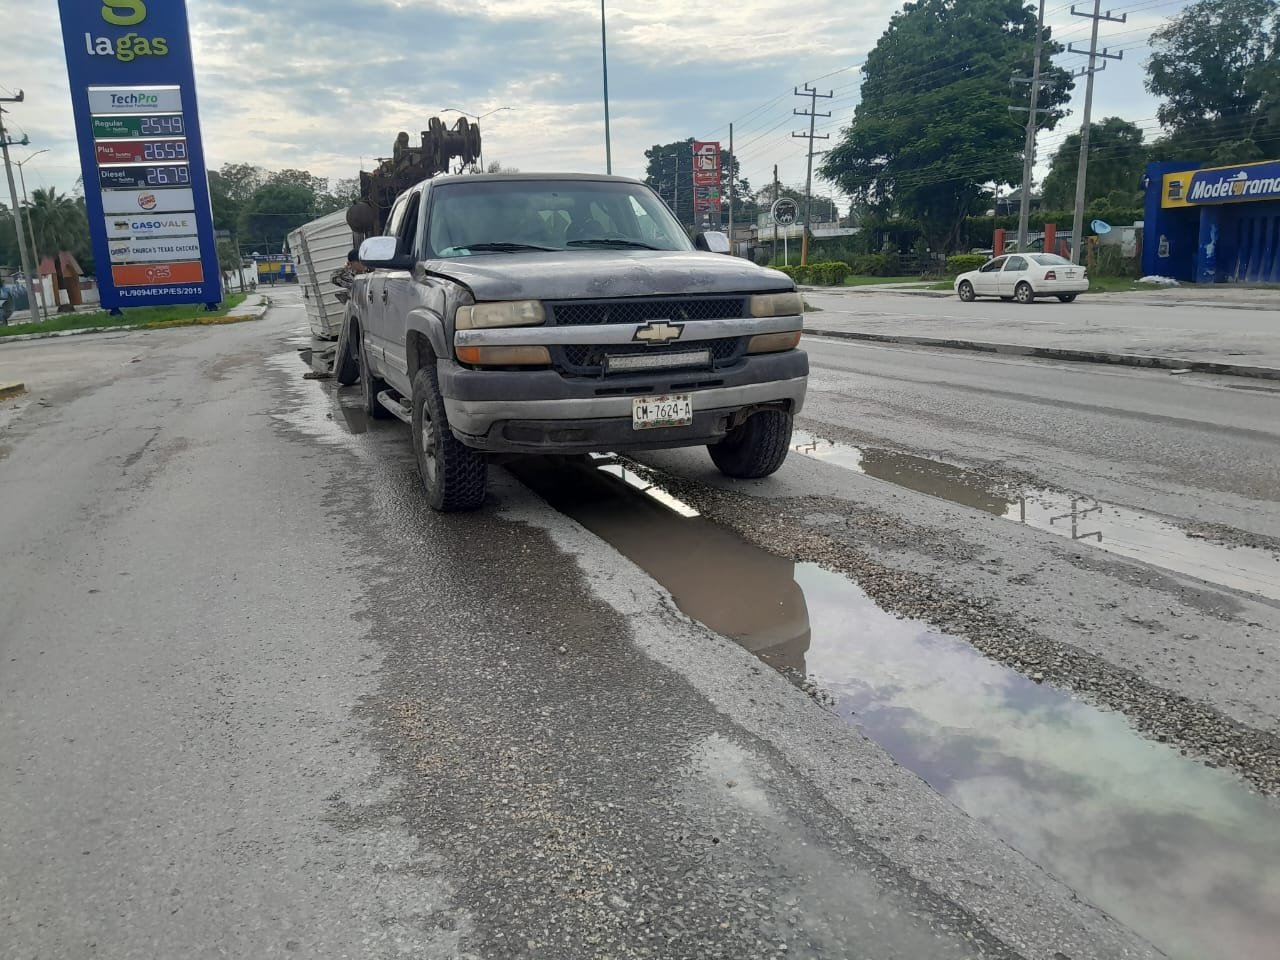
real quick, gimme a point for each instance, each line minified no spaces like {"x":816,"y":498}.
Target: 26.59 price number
{"x":168,"y":176}
{"x":165,"y":150}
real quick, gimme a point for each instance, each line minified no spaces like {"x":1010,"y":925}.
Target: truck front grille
{"x":588,"y":359}
{"x":579,"y":313}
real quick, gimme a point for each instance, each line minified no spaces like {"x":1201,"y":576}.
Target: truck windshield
{"x":511,"y":216}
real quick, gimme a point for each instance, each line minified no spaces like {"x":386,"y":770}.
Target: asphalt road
{"x":259,"y":701}
{"x":1242,"y":332}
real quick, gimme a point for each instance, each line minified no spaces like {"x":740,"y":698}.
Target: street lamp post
{"x":25,"y":213}
{"x":477,"y":119}
{"x":604,"y":63}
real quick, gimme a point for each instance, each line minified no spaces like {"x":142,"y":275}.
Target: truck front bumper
{"x":540,"y":411}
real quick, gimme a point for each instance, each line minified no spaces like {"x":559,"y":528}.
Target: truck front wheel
{"x":453,"y":474}
{"x":756,"y":447}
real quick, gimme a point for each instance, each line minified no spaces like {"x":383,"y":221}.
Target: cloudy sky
{"x":325,"y":84}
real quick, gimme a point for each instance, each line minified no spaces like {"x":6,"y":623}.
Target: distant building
{"x":1212,"y":224}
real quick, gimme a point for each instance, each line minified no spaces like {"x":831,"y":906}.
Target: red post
{"x":997,"y":245}
{"x":1050,"y":238}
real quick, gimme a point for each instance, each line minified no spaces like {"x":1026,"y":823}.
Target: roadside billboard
{"x":134,"y":100}
{"x":706,"y":182}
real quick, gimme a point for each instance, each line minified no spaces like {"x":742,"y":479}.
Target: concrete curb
{"x":1061,"y":353}
{"x":10,"y":390}
{"x":255,"y":313}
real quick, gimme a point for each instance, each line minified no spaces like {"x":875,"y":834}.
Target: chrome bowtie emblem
{"x":658,"y":332}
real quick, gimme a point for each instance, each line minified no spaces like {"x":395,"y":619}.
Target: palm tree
{"x":58,"y":222}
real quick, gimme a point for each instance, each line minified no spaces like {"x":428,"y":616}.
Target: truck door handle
{"x":370,"y":294}
{"x":384,"y":294}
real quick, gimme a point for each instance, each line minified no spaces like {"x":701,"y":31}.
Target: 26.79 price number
{"x":168,"y":176}
{"x":165,"y":150}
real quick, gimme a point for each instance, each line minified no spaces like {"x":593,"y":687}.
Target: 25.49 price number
{"x":171,"y":126}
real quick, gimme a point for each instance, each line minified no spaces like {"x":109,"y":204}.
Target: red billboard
{"x":706,"y":181}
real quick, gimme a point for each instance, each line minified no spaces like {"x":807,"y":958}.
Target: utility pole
{"x":1077,"y":222}
{"x":812,"y":113}
{"x":17,"y":211}
{"x":777,"y":191}
{"x":1029,"y":149}
{"x":732,"y":161}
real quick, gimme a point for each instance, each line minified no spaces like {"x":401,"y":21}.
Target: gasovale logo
{"x":128,"y":46}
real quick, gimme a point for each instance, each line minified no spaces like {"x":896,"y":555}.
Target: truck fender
{"x":430,"y":326}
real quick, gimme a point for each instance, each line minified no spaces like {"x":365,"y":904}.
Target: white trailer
{"x":319,"y":248}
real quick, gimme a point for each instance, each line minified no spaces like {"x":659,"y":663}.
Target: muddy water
{"x":1181,"y":853}
{"x":1129,"y":533}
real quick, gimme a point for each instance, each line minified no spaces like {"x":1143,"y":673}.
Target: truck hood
{"x":601,"y":274}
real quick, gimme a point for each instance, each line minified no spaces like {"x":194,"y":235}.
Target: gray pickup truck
{"x":567,"y":313}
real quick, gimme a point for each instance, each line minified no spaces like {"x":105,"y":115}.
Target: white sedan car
{"x":1023,"y":277}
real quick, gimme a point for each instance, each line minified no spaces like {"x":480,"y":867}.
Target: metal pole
{"x":31,"y":230}
{"x":1029,"y":150}
{"x":604,"y":61}
{"x":771,"y":216}
{"x":13,"y":194}
{"x":1077,"y":220}
{"x":731,"y":163}
{"x":808,"y":182}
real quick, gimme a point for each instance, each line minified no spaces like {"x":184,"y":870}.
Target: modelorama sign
{"x":1251,"y":181}
{"x":146,"y":191}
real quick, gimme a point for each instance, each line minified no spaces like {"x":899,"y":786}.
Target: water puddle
{"x":1181,"y":853}
{"x":1119,"y":530}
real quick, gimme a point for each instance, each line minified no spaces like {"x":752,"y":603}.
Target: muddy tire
{"x":453,"y":475}
{"x":346,"y":366}
{"x":1066,"y":297}
{"x":1023,"y":292}
{"x":965,"y":290}
{"x":370,"y":386}
{"x":756,"y":448}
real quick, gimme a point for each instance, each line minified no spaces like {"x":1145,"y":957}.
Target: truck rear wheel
{"x":453,"y":474}
{"x":370,"y":386}
{"x":755,"y":448}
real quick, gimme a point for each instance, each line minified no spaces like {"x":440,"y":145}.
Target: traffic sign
{"x":784,"y":211}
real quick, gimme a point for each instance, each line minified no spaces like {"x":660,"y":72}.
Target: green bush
{"x":830,"y":273}
{"x":964,"y":262}
{"x":875,"y":265}
{"x":1108,"y":261}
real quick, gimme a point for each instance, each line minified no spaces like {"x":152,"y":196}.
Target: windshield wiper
{"x":502,"y":247}
{"x":611,"y":242}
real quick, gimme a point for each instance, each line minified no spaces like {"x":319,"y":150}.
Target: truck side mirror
{"x":712,"y":241}
{"x":381,"y":252}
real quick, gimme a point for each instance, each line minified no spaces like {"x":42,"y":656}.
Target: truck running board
{"x":396,"y":406}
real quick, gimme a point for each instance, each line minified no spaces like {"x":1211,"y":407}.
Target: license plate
{"x":675,"y":410}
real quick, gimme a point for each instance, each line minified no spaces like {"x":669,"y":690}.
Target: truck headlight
{"x":501,"y":313}
{"x":777,"y":304}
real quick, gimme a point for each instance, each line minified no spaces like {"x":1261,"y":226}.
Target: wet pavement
{"x":1183,"y":854}
{"x":259,"y":700}
{"x":1129,"y":533}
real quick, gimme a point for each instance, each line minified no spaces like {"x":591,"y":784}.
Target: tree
{"x":58,"y":222}
{"x":1117,"y":157}
{"x":272,"y":212}
{"x":1215,"y":66}
{"x":933,"y":127}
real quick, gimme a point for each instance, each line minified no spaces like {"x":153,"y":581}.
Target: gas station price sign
{"x":133,"y":95}
{"x":122,"y":128}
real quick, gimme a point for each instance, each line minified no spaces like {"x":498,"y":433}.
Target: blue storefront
{"x":1212,"y":224}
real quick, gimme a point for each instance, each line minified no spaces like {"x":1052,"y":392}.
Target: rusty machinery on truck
{"x":410,"y":164}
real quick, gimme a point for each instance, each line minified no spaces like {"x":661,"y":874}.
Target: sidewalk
{"x":253,"y":307}
{"x":1227,"y":332}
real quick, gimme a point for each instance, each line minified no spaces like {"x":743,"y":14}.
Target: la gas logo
{"x":130,"y":46}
